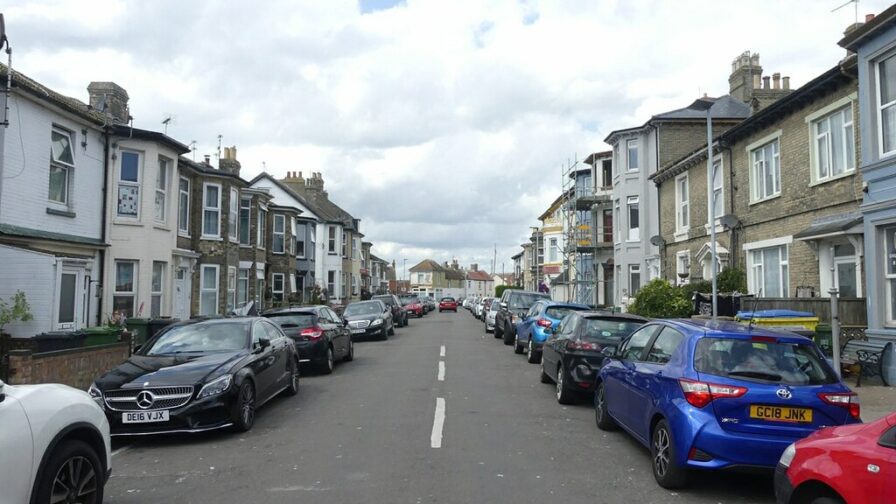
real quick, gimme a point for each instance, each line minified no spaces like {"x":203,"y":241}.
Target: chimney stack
{"x":765,"y":82}
{"x":757,"y":81}
{"x":744,"y":71}
{"x":110,"y":99}
{"x":208,"y":159}
{"x":786,"y":83}
{"x":295,"y":182}
{"x":228,"y":163}
{"x":776,"y":79}
{"x":869,"y":18}
{"x":474,"y":267}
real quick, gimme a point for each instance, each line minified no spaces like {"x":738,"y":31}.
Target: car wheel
{"x":496,"y":332}
{"x":327,"y":366}
{"x":293,"y":387}
{"x":531,"y":353}
{"x":601,"y":417}
{"x":350,"y":356}
{"x":666,"y":470}
{"x":508,"y":338}
{"x":243,"y":414}
{"x":564,"y":395}
{"x":73,"y":474}
{"x":544,"y":376}
{"x":392,"y":329}
{"x":827,"y":500}
{"x":517,"y":348}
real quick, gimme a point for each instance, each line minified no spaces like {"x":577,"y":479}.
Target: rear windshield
{"x":523,"y":300}
{"x":289,"y":320}
{"x":409,"y":300}
{"x":763,"y":361}
{"x":388,"y":300}
{"x":558,"y":312}
{"x":450,"y":300}
{"x":609,"y":329}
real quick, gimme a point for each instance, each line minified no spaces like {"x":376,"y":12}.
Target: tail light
{"x":581,"y":345}
{"x":312,"y":333}
{"x":847,"y":400}
{"x":699,"y":394}
{"x":544,"y":322}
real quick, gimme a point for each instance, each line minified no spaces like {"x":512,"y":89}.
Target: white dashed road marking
{"x":441,"y":370}
{"x":442,"y":351}
{"x":438,"y":423}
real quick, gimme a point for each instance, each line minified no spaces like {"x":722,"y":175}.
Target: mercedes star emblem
{"x":145,"y":399}
{"x":783,"y":393}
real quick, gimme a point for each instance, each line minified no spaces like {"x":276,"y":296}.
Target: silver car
{"x":489,"y":315}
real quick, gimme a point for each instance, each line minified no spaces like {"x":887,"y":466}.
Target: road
{"x":365,"y":434}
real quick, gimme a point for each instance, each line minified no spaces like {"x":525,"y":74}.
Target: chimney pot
{"x":776,"y":79}
{"x":757,"y":81}
{"x":208,"y":159}
{"x":869,"y":17}
{"x":786,"y":83}
{"x":765,"y":82}
{"x":111,"y":99}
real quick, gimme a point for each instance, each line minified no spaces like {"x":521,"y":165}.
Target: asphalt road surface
{"x":372,"y":432}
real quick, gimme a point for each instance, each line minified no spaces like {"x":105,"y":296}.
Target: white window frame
{"x":633,"y":234}
{"x":682,"y":204}
{"x":163,"y":181}
{"x":242,"y":287}
{"x":261,"y":226}
{"x":157,"y":291}
{"x":331,"y":240}
{"x":344,"y":243}
{"x":813,"y":120}
{"x":134,"y":288}
{"x":233,"y":215}
{"x":281,"y":234}
{"x":292,"y":239}
{"x":67,"y":169}
{"x":245,"y":205}
{"x":889,"y":314}
{"x":753,"y":267}
{"x":683,"y":265}
{"x":331,"y":283}
{"x":632,"y":269}
{"x":206,"y":208}
{"x":354,"y":285}
{"x":880,"y":107}
{"x":758,"y":168}
{"x":711,"y":191}
{"x":204,"y":268}
{"x":231,"y":288}
{"x":617,"y":222}
{"x":301,"y":229}
{"x":628,"y":154}
{"x":183,"y":208}
{"x":129,"y":183}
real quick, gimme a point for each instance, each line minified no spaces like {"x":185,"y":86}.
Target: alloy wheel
{"x":75,"y":482}
{"x":247,"y":405}
{"x":559,"y":383}
{"x":661,"y":446}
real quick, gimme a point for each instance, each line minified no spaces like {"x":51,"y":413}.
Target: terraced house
{"x":786,"y":195}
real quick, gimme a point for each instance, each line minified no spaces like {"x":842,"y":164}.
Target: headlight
{"x":216,"y":386}
{"x":96,"y":395}
{"x":377,"y":322}
{"x":787,"y":456}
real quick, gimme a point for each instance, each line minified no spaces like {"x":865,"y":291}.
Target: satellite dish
{"x":657,"y":241}
{"x":729,"y":221}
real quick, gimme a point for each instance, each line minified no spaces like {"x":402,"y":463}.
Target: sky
{"x":443,"y":125}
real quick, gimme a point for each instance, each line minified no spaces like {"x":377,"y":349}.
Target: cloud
{"x":442,"y":125}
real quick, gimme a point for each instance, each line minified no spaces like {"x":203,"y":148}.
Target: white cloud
{"x":442,"y":125}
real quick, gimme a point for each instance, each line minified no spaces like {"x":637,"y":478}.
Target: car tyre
{"x":544,"y":376}
{"x":293,"y":387}
{"x":74,"y":470}
{"x":532,"y":356}
{"x":564,"y":395}
{"x":666,"y":471}
{"x":601,"y":417}
{"x":827,"y":500}
{"x":517,"y":348}
{"x":508,"y":339}
{"x":329,"y":363}
{"x":350,"y":355}
{"x":243,"y":413}
{"x":392,"y":329}
{"x":496,"y":332}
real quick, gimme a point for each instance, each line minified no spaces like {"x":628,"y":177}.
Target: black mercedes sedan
{"x":199,"y":376}
{"x":321,"y":337}
{"x":572,"y":354}
{"x":369,"y":319}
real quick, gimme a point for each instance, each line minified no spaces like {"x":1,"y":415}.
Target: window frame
{"x":553,"y":250}
{"x":183,"y":209}
{"x":842,"y":106}
{"x":65,"y":167}
{"x":134,"y":185}
{"x":132,"y":294}
{"x":331,"y":240}
{"x":712,"y":189}
{"x":759,"y":146}
{"x":281,"y":234}
{"x":682,"y":204}
{"x":879,"y":106}
{"x":233,"y":215}
{"x":204,"y":290}
{"x":617,"y":227}
{"x":331,"y":283}
{"x":633,"y":234}
{"x":628,"y":155}
{"x":755,"y":268}
{"x":889,"y":277}
{"x":301,"y":233}
{"x":242,"y":287}
{"x":261,"y":226}
{"x":211,"y":209}
{"x":632,"y":270}
{"x":683,"y":262}
{"x":161,"y":188}
{"x":247,"y":226}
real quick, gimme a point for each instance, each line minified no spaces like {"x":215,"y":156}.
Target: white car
{"x":54,"y":445}
{"x":490,"y":315}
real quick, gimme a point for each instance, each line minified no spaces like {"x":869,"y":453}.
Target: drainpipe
{"x":102,"y":277}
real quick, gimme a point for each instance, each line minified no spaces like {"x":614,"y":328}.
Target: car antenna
{"x":753,"y":312}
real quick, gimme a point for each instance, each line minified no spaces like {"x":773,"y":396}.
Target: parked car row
{"x":704,"y":395}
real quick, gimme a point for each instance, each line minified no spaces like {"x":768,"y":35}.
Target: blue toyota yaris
{"x":540,"y":322}
{"x":705,"y":395}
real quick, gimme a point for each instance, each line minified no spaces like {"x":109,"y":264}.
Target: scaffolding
{"x":578,"y":232}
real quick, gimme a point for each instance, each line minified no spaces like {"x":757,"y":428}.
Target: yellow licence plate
{"x":780,"y":413}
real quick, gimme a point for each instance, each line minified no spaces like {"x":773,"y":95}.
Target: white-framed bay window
{"x":233,"y":214}
{"x":161,"y":193}
{"x":885,"y":103}
{"x":208,"y":289}
{"x":768,"y":270}
{"x":245,"y":226}
{"x":553,"y":250}
{"x":261,"y":226}
{"x":125,"y":295}
{"x":632,"y":154}
{"x":231,"y":288}
{"x":62,"y":164}
{"x":716,"y":192}
{"x":765,"y":168}
{"x":211,"y":210}
{"x":278,"y":246}
{"x":889,"y":268}
{"x":331,"y":283}
{"x":300,"y":240}
{"x":632,"y":205}
{"x":183,"y":207}
{"x":832,"y":151}
{"x":242,"y":287}
{"x":157,"y":289}
{"x":682,"y":204}
{"x":129,"y":170}
{"x":634,"y":279}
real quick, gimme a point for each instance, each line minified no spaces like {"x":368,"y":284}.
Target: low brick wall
{"x":77,"y":367}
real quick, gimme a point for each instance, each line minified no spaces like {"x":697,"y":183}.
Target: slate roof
{"x":205,"y":169}
{"x":870,"y":29}
{"x":22,"y":232}
{"x":321,"y":205}
{"x":288,"y":190}
{"x":832,"y":224}
{"x":152,"y":136}
{"x":723,"y":107}
{"x":28,"y":85}
{"x":427,"y":265}
{"x":479,"y":275}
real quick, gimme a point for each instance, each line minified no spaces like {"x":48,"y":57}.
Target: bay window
{"x":208,"y":289}
{"x":211,"y":211}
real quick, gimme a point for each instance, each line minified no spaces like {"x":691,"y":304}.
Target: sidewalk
{"x":877,"y":400}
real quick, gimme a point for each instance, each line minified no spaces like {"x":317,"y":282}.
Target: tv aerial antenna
{"x":170,"y":119}
{"x":855,"y":6}
{"x":193,"y":149}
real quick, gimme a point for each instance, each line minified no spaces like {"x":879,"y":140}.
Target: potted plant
{"x":17,"y":310}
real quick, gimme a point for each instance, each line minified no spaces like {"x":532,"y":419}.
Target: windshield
{"x":201,"y":338}
{"x":598,"y":329}
{"x":558,"y":312}
{"x":524,"y":301}
{"x":386,"y":299}
{"x":765,"y":361}
{"x":362,"y":309}
{"x":290,"y":320}
{"x":410,"y":300}
{"x":448,"y":299}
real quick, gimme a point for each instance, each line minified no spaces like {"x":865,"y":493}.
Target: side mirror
{"x":503,"y":305}
{"x":609,"y":352}
{"x":263,"y":343}
{"x":344,"y":323}
{"x":137,"y":348}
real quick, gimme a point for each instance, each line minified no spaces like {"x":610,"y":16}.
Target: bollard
{"x":835,"y":330}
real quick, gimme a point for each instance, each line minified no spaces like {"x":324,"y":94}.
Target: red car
{"x":448,"y":303}
{"x":837,"y":465}
{"x":413,"y":306}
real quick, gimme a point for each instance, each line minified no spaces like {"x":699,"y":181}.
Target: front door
{"x":182,"y":295}
{"x":71,"y":299}
{"x":847,"y":282}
